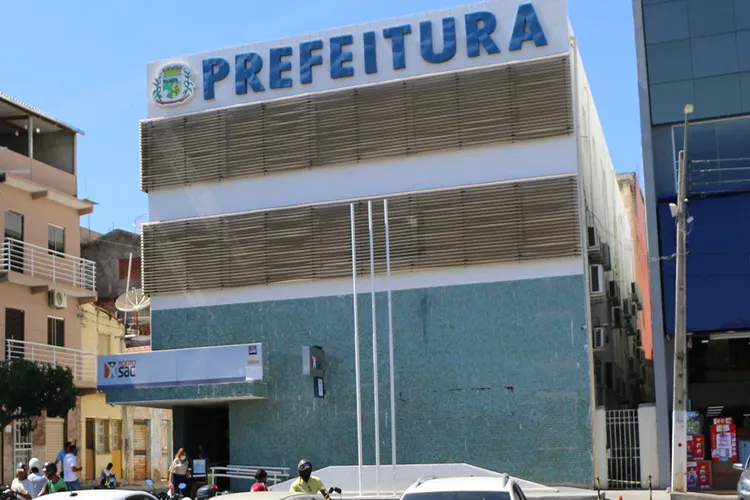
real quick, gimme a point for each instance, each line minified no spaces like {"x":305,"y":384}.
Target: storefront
{"x":433,"y":163}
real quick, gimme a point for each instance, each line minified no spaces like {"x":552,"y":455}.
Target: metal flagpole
{"x":374,"y":352}
{"x":356,"y":349}
{"x":390,"y":341}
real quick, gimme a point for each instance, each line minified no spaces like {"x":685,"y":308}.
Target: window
{"x":14,"y":225}
{"x":102,"y":436}
{"x":135,"y":270}
{"x":55,"y":331}
{"x":116,"y":435}
{"x":608,"y":376}
{"x":56,"y":238}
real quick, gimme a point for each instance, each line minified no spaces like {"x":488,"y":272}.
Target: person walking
{"x":178,"y":471}
{"x":71,"y":469}
{"x":60,"y":459}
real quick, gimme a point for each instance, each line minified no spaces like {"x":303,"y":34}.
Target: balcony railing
{"x":81,"y":363}
{"x":45,"y":265}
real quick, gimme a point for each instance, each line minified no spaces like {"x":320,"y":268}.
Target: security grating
{"x":500,"y":104}
{"x":510,"y":222}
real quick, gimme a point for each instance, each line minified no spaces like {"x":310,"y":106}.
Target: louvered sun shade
{"x":522,"y":101}
{"x":510,"y":222}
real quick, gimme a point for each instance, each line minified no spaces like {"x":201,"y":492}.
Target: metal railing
{"x":276,"y":475}
{"x":39,"y":262}
{"x":81,"y":363}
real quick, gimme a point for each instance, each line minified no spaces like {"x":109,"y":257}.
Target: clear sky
{"x":85,"y":63}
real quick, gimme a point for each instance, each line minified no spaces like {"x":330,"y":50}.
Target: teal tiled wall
{"x":495,"y":375}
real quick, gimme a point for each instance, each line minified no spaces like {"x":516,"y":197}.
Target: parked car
{"x":464,"y":488}
{"x":101,"y":494}
{"x":743,"y":485}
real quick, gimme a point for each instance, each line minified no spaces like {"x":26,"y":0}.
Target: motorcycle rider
{"x":37,"y":481}
{"x":20,"y":485}
{"x":55,"y":483}
{"x":105,"y":475}
{"x":306,"y":482}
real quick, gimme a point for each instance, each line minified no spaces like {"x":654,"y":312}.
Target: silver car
{"x":743,"y":486}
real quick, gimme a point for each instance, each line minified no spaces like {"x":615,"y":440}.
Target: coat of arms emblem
{"x":173,"y":85}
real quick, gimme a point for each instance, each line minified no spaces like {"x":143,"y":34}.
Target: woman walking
{"x":178,"y":471}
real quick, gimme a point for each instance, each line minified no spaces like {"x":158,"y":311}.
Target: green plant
{"x":157,"y":88}
{"x":28,"y":389}
{"x":188,"y":83}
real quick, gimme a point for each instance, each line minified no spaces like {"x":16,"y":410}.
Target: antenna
{"x":139,"y":222}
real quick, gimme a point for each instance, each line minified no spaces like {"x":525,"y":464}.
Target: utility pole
{"x":679,"y":396}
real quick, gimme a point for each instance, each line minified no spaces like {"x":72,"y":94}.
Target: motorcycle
{"x":110,"y":483}
{"x":161,"y":495}
{"x":334,"y":489}
{"x":178,"y":493}
{"x":7,"y":494}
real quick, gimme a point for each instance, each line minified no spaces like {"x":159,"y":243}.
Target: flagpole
{"x":358,"y":389}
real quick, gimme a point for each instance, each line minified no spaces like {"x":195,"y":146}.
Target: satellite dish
{"x":132,"y":301}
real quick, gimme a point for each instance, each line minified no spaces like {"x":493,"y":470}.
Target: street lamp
{"x":679,"y":392}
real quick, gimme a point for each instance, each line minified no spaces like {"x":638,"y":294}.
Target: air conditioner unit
{"x":634,"y":309}
{"x":606,"y":257}
{"x":599,"y":337}
{"x":58,"y":299}
{"x":596,"y":279}
{"x":617,"y":317}
{"x":626,"y":306}
{"x":592,"y":237}
{"x":613,"y":291}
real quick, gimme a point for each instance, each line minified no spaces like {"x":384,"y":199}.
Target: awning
{"x":196,"y":395}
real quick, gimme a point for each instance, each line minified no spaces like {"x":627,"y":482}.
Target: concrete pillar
{"x":600,"y":421}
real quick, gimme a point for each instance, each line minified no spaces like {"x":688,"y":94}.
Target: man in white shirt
{"x":20,"y":485}
{"x":70,"y":469}
{"x":37,"y":480}
{"x":105,"y":475}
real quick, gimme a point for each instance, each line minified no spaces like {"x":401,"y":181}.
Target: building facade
{"x":43,"y":279}
{"x":695,"y":52}
{"x":264,"y":178}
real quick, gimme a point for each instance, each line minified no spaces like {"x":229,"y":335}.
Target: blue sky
{"x":85,"y":62}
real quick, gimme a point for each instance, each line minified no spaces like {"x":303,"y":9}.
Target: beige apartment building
{"x":43,"y":280}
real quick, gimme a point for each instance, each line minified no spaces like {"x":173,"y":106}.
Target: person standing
{"x":261,"y":477}
{"x":178,"y":471}
{"x":37,"y":480}
{"x":60,"y":460}
{"x":71,"y":469}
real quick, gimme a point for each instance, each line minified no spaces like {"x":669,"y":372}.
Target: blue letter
{"x":449,"y":41}
{"x":397,"y":34}
{"x":244,"y":74}
{"x":527,"y":17}
{"x":476,"y":35}
{"x":279,"y":66}
{"x":307,"y":60}
{"x":210,"y":76}
{"x":371,"y":56}
{"x":340,"y":56}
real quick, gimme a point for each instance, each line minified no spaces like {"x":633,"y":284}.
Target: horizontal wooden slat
{"x":522,"y":101}
{"x":511,"y":222}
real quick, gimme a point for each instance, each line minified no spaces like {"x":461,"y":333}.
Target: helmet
{"x":304,"y":466}
{"x":50,"y":468}
{"x":35,"y":463}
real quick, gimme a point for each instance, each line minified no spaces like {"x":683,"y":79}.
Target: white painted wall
{"x":648,"y":444}
{"x":552,"y":15}
{"x":402,"y":281}
{"x":600,"y":454}
{"x":404,"y":174}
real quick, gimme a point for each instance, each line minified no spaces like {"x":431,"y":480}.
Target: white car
{"x":465,"y":488}
{"x":114,"y":494}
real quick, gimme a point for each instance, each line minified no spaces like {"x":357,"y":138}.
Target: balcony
{"x":81,"y":363}
{"x":43,"y":269}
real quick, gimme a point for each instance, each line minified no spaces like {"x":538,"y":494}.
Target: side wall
{"x":492,"y":374}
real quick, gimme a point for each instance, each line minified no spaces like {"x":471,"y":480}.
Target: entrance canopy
{"x":180,"y":377}
{"x":196,"y":395}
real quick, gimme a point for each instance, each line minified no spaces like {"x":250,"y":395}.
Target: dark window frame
{"x":55,"y":331}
